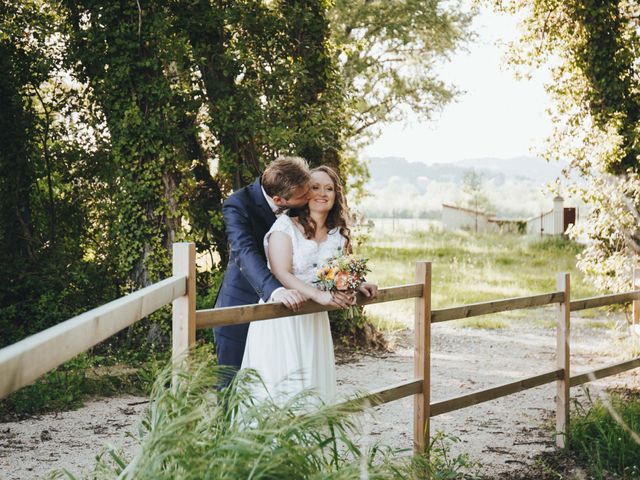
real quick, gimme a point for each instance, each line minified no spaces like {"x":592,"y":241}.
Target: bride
{"x":296,"y":353}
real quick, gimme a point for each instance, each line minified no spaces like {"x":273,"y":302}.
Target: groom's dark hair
{"x":284,"y":175}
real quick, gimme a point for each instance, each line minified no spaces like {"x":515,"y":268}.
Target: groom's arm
{"x":246,"y":251}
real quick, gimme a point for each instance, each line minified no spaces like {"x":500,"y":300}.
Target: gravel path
{"x":503,"y":434}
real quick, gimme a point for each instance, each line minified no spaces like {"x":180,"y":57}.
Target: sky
{"x":494,"y":116}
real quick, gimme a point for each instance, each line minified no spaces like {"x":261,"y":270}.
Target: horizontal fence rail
{"x":495,"y":306}
{"x":604,"y":300}
{"x":387,"y":394}
{"x":605,"y":372}
{"x":474,"y":398}
{"x":25,"y":361}
{"x":215,"y":317}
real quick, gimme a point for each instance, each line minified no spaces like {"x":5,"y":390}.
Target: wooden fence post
{"x":422,"y":359}
{"x":563,"y":330}
{"x":636,"y":303}
{"x":183,"y":330}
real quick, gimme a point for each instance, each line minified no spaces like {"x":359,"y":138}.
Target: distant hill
{"x":531,"y":168}
{"x":382,"y":169}
{"x":514,"y":186}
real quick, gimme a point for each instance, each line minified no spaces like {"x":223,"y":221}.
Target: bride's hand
{"x":292,"y":299}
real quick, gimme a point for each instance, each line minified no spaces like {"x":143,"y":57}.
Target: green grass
{"x":68,"y":386}
{"x":598,"y":324}
{"x":484,"y":323}
{"x":606,"y":436}
{"x":469,"y":268}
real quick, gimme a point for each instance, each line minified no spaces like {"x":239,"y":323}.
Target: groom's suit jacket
{"x":247,"y":217}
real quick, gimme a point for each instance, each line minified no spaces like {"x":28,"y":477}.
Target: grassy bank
{"x":469,"y":267}
{"x":605,"y":435}
{"x":603,"y":442}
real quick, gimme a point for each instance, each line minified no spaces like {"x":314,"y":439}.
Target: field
{"x":468,"y":268}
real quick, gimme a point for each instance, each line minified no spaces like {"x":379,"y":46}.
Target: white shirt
{"x":274,"y":209}
{"x":270,"y":202}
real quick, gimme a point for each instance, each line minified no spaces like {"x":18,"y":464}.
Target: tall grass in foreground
{"x":606,"y":435}
{"x":192,"y":431}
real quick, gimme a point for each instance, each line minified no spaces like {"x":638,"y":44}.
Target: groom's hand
{"x":343,"y":299}
{"x":369,"y":290}
{"x":292,"y":299}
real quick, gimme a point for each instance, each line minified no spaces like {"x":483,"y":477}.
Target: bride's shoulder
{"x":295,"y":223}
{"x":283,"y":222}
{"x":286,"y":224}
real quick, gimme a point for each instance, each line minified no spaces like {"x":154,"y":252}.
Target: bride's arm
{"x":280,"y":252}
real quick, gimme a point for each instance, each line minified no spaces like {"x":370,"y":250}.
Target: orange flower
{"x":331,"y":273}
{"x":342,"y":281}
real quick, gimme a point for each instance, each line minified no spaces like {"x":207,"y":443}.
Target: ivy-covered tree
{"x":592,"y":47}
{"x":124,"y":125}
{"x":270,"y":80}
{"x":133,"y":61}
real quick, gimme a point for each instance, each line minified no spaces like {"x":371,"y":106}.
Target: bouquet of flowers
{"x":343,"y":273}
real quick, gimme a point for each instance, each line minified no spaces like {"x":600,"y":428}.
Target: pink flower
{"x":342,"y":281}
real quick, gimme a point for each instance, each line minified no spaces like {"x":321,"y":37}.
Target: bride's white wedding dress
{"x":295,"y":353}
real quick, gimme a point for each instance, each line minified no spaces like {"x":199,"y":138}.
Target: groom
{"x":248,"y":215}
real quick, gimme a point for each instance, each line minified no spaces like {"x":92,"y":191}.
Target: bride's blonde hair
{"x":338,"y":215}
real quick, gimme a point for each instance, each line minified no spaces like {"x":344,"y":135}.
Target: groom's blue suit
{"x":247,"y":217}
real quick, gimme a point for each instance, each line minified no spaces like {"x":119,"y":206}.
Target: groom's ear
{"x":279,"y":201}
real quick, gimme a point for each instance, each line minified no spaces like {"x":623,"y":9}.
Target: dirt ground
{"x":504,"y":435}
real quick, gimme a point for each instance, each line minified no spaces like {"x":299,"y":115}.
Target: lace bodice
{"x":308,"y":255}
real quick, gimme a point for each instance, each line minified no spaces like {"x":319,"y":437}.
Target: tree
{"x":473,"y":188}
{"x":44,"y":226}
{"x":131,"y":59}
{"x":269,"y":80}
{"x":389,"y":53}
{"x":592,"y":47}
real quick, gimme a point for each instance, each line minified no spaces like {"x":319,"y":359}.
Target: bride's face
{"x":323,"y":192}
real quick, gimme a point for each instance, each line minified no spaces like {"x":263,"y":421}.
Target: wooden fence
{"x":25,"y":361}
